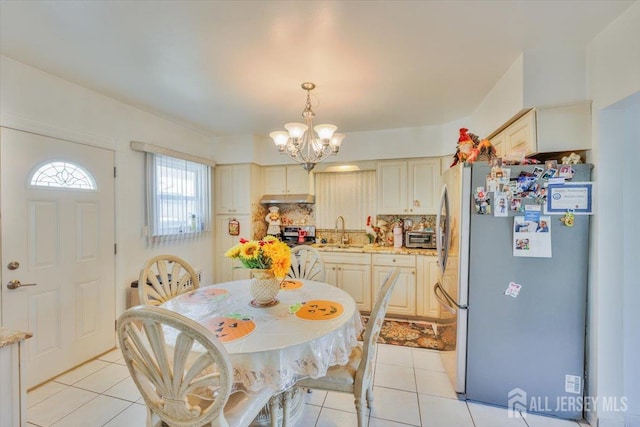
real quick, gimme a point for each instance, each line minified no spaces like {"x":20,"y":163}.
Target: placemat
{"x":205,"y":295}
{"x":317,"y":310}
{"x":231,"y":327}
{"x":289,"y":284}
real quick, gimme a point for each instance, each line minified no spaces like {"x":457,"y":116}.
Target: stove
{"x":291,"y":235}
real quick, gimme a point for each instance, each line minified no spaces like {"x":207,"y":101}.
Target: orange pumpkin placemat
{"x":231,"y":327}
{"x":206,"y":295}
{"x":317,"y":310}
{"x":289,"y":284}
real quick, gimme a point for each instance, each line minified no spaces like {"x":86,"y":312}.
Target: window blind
{"x":350,"y":194}
{"x":178,"y":202}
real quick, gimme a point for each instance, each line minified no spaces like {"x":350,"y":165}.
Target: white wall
{"x":503,"y":101}
{"x":41,"y":102}
{"x":554,"y":76}
{"x":613,"y":76}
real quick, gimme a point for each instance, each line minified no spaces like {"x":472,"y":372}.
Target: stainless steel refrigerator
{"x":525,"y":352}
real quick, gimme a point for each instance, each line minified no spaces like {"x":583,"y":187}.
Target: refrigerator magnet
{"x":513,"y":290}
{"x":500,"y":208}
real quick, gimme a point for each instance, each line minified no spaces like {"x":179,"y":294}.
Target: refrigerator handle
{"x":445,"y":299}
{"x":442,"y":236}
{"x":442,"y":299}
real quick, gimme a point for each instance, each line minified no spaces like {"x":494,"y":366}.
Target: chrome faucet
{"x":343,"y":239}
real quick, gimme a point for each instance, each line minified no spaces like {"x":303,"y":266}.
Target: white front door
{"x":60,"y":239}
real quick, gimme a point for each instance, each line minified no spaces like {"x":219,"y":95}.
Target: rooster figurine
{"x":470,"y":147}
{"x":465,"y":145}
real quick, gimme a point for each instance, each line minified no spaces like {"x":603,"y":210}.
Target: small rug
{"x":416,"y":334}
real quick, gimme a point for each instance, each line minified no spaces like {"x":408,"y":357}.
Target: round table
{"x":283,"y":346}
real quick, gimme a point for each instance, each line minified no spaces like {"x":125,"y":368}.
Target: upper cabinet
{"x":236,"y":187}
{"x":408,"y":186}
{"x":546,"y":129}
{"x":290,"y":179}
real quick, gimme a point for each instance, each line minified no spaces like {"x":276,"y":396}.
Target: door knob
{"x":15,"y":284}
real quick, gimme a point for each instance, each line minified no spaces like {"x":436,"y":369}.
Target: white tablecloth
{"x":283,"y":348}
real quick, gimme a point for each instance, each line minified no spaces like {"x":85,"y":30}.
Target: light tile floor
{"x":410,"y":388}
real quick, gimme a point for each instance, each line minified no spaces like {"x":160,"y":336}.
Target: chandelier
{"x":305,"y":143}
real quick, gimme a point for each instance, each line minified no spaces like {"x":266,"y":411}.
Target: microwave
{"x":420,"y":239}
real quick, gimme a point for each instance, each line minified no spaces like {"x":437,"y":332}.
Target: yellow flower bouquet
{"x":268,"y":254}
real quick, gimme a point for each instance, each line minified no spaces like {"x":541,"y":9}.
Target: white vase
{"x":264,"y":288}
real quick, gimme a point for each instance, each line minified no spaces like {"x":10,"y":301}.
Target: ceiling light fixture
{"x":305,"y":143}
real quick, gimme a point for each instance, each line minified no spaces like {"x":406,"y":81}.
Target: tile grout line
{"x":118,"y":414}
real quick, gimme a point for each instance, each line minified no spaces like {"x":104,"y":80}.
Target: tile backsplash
{"x":303,"y":214}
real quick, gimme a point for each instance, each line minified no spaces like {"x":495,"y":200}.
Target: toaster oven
{"x":420,"y":239}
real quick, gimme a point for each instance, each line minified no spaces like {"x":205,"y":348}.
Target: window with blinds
{"x":178,"y":201}
{"x":350,"y":194}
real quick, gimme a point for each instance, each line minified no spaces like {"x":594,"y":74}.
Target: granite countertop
{"x":373,"y":249}
{"x":12,"y":336}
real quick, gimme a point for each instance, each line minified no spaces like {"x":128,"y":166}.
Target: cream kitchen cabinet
{"x":13,"y":393}
{"x":499,"y":142}
{"x":403,"y":297}
{"x":408,"y":186}
{"x":351,"y":273}
{"x":427,"y":275}
{"x":226,"y":268}
{"x":290,"y":179}
{"x":236,"y":188}
{"x":556,"y":128}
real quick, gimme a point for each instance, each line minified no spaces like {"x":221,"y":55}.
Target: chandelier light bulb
{"x":325,"y":132}
{"x":336,"y":141}
{"x":280,"y":138}
{"x":296,"y":130}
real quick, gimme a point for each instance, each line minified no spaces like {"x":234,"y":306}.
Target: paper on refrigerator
{"x":531,"y":238}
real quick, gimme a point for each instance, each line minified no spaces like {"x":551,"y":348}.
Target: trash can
{"x":134,"y":298}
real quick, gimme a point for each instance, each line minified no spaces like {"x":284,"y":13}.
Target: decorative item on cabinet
{"x":234,"y":227}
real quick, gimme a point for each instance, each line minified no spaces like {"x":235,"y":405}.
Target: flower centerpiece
{"x":269,"y":260}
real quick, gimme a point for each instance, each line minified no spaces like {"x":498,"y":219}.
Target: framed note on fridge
{"x":576,"y":196}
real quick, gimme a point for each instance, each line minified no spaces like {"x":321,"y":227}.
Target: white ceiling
{"x":235,"y":67}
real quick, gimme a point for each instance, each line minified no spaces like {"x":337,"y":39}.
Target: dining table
{"x":310,"y":327}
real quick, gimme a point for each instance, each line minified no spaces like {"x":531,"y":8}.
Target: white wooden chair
{"x":186,"y":384}
{"x":356,"y":376}
{"x":306,"y":263}
{"x":164,"y":277}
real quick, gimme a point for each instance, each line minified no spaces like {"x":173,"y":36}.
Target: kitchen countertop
{"x":372,"y":249}
{"x":12,"y":336}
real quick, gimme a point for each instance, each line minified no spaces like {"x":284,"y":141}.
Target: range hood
{"x":287,"y":198}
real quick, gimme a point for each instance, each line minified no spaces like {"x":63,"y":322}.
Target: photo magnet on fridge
{"x":501,"y":204}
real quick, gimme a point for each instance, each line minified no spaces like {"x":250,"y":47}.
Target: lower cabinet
{"x":13,"y":395}
{"x":427,"y":272}
{"x":361,"y":275}
{"x":351,"y":273}
{"x":228,"y":269}
{"x":403,"y":297}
